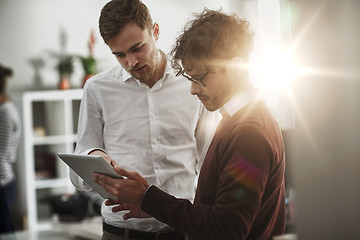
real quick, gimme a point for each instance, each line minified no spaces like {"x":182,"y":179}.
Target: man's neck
{"x":160,"y":69}
{"x":243,"y":86}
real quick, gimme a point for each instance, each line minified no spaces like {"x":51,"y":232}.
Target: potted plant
{"x":89,"y":62}
{"x":89,"y":66}
{"x":65,"y":69}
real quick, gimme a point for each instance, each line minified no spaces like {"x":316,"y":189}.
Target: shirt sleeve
{"x":10,"y":133}
{"x":5,"y":143}
{"x":90,"y":131}
{"x":204,"y":133}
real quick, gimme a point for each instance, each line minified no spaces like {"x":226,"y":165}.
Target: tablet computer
{"x":86,"y":165}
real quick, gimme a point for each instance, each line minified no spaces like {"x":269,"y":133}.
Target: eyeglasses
{"x":198,"y":81}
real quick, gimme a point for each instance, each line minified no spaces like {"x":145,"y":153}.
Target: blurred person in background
{"x":10,"y":130}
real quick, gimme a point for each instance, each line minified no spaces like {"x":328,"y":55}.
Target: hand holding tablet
{"x":86,"y":165}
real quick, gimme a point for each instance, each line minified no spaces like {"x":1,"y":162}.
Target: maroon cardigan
{"x":240,"y":192}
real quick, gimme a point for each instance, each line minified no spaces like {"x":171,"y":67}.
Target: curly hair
{"x":213,"y":35}
{"x":116,"y":14}
{"x":5,"y":72}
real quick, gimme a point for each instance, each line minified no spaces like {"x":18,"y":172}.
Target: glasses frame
{"x":198,"y":81}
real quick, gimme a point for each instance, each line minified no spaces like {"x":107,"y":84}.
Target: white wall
{"x":30,"y":32}
{"x":326,"y":142}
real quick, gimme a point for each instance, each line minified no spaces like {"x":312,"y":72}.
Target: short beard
{"x":147,"y":76}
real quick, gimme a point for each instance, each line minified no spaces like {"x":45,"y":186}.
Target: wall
{"x":325,"y":144}
{"x":30,"y":34}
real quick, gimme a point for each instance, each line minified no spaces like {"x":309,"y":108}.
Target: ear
{"x":156,"y":31}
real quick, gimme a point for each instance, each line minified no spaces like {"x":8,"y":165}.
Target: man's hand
{"x":135,"y":209}
{"x":105,"y":156}
{"x":129,"y":190}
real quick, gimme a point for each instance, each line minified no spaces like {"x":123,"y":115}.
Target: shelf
{"x":50,"y":140}
{"x":50,"y":125}
{"x":60,"y":95}
{"x":51,"y":183}
{"x":44,"y":225}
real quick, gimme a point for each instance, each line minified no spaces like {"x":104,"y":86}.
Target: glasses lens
{"x":197,"y":81}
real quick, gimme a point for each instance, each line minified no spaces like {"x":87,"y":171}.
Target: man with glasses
{"x":140,"y":116}
{"x":240,"y":193}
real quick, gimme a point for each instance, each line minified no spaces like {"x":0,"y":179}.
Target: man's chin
{"x":210,"y":108}
{"x":143,"y":76}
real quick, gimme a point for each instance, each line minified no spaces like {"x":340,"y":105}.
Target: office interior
{"x":306,"y":58}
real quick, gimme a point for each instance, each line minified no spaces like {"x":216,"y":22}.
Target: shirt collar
{"x":239,"y":101}
{"x":126,"y":75}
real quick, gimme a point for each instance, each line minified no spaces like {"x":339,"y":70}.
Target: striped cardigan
{"x":10,"y":131}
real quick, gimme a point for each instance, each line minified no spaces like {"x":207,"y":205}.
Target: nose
{"x":132,"y":60}
{"x":195,"y":89}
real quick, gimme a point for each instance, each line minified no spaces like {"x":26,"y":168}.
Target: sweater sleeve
{"x":239,"y":170}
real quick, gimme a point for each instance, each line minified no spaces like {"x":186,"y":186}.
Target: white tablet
{"x":86,"y":165}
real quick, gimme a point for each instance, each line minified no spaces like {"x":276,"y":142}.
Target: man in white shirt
{"x":142,"y":117}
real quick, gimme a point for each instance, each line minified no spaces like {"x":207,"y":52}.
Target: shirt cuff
{"x":96,"y":149}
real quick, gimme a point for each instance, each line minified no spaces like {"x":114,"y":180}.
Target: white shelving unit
{"x":50,"y":126}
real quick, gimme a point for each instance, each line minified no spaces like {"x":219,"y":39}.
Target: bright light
{"x":275,"y":71}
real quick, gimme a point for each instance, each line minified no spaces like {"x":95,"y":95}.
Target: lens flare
{"x":246,"y":173}
{"x":275,"y":71}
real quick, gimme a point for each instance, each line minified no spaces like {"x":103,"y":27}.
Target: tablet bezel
{"x":86,"y":165}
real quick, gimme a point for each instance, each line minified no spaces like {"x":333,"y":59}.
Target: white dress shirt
{"x":241,"y":100}
{"x":161,"y":132}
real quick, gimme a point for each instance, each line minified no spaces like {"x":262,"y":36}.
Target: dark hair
{"x":116,"y":14}
{"x":5,"y":72}
{"x":213,"y":35}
